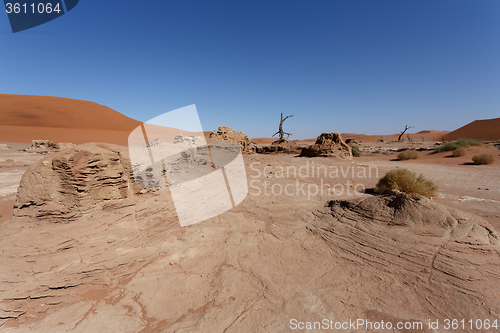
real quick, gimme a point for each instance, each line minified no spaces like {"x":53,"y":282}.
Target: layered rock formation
{"x":225,"y":133}
{"x":328,"y":145}
{"x":72,"y":182}
{"x":441,"y":259}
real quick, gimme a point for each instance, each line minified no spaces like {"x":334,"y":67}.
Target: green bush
{"x":407,"y":181}
{"x":483,"y":159}
{"x":355,"y":151}
{"x":459,"y":152}
{"x":408,"y":155}
{"x":457,"y":144}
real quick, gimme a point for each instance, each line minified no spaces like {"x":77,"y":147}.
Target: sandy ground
{"x":283,"y":190}
{"x":470,"y":187}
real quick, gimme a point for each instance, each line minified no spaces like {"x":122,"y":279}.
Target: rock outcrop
{"x":63,"y":145}
{"x":225,"y":133}
{"x":44,"y":146}
{"x":329,"y":145}
{"x":280,"y":146}
{"x":73,"y":181}
{"x":434,"y":254}
{"x":352,"y":142}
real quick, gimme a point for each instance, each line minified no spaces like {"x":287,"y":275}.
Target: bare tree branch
{"x":281,"y":132}
{"x":404,"y":131}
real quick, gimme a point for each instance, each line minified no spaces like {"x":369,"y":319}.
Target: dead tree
{"x":409,"y":138}
{"x":404,"y":131}
{"x":281,"y":132}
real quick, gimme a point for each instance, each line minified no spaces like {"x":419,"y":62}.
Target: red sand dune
{"x":264,"y":140}
{"x":487,"y":130}
{"x":25,"y":118}
{"x":352,"y":135}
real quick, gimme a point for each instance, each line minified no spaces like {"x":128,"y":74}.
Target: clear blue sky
{"x":349,"y":66}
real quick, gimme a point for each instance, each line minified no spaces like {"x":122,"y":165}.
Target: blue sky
{"x":348,"y":66}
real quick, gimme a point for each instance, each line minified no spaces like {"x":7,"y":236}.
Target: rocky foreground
{"x":88,"y":251}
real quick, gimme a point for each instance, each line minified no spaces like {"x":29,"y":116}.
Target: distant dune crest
{"x":486,"y":130}
{"x":25,"y":118}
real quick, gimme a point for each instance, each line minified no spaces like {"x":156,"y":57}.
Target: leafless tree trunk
{"x":404,"y":131}
{"x":281,"y":132}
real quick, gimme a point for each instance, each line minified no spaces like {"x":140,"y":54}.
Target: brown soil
{"x":127,"y":264}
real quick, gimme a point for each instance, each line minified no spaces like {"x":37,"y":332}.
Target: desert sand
{"x":25,"y":118}
{"x":487,"y":129}
{"x":87,"y":250}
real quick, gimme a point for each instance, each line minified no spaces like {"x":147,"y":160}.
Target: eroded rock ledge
{"x":71,"y":182}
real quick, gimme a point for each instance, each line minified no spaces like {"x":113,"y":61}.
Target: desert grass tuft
{"x":355,"y":151}
{"x":459,"y":152}
{"x":408,"y":155}
{"x":449,"y":146}
{"x":483,"y":159}
{"x":406,"y":181}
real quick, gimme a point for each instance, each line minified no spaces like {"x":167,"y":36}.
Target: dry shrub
{"x":407,"y":181}
{"x":355,"y":151}
{"x":483,"y":159}
{"x":408,"y":155}
{"x":459,"y":152}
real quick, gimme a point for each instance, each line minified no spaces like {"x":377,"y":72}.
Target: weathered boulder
{"x":352,"y":142}
{"x":63,"y":145}
{"x":328,"y":145}
{"x":73,"y":181}
{"x":42,"y":144}
{"x":225,"y":133}
{"x":280,"y":146}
